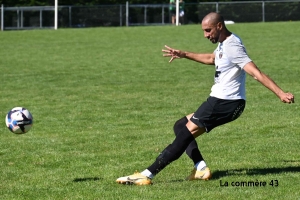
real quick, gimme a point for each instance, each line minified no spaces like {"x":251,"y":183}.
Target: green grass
{"x":104,"y":102}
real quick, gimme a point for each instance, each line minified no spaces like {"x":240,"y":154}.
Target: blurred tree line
{"x":90,"y":2}
{"x":194,"y":12}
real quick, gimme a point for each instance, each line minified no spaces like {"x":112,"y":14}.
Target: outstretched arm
{"x":208,"y":58}
{"x":253,"y":70}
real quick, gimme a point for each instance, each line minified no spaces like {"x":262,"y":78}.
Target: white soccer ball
{"x":19,"y":120}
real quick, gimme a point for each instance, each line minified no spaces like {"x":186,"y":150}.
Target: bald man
{"x":225,"y":103}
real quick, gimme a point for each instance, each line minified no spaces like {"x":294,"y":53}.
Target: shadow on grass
{"x":233,"y":172}
{"x":263,"y":171}
{"x":87,"y":179}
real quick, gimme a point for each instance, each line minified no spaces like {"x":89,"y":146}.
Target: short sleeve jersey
{"x":172,"y":5}
{"x":230,"y":59}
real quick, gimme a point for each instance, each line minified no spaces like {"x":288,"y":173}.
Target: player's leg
{"x":200,"y":170}
{"x":192,"y":150}
{"x":212,"y":113}
{"x":173,"y":17}
{"x":171,"y":153}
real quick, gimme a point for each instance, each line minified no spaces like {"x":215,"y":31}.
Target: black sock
{"x":173,"y":151}
{"x":192,"y":150}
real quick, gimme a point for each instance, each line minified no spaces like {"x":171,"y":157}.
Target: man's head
{"x":213,"y":26}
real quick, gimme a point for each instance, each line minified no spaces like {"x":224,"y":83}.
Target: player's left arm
{"x":252,"y":69}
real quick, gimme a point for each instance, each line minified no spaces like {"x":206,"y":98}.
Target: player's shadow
{"x":86,"y":179}
{"x":252,"y":172}
{"x":256,"y":171}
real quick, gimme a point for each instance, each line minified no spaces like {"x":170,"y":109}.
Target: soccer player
{"x":225,"y":103}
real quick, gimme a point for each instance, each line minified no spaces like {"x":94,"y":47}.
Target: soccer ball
{"x":19,"y":120}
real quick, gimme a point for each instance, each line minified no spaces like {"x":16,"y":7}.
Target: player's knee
{"x":179,"y":124}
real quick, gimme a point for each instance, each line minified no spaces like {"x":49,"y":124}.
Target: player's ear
{"x":219,"y":26}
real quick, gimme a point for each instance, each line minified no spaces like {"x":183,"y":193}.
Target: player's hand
{"x":173,"y":53}
{"x":287,"y":98}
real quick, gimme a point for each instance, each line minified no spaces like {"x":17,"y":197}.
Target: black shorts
{"x":173,"y":12}
{"x":215,"y":112}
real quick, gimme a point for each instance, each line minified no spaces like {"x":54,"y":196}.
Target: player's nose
{"x":206,"y":35}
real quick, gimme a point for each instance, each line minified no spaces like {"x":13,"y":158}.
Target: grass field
{"x":104,"y":102}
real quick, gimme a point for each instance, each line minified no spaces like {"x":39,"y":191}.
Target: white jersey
{"x":230,"y":59}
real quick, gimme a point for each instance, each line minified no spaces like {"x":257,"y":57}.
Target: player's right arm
{"x":207,"y":58}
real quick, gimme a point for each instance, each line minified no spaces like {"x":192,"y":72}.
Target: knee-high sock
{"x":173,"y":151}
{"x":192,"y":150}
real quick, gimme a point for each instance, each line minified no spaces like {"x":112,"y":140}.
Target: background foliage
{"x":88,"y":2}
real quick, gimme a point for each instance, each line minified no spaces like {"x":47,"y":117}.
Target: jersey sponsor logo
{"x":217,"y":73}
{"x":220,"y":55}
